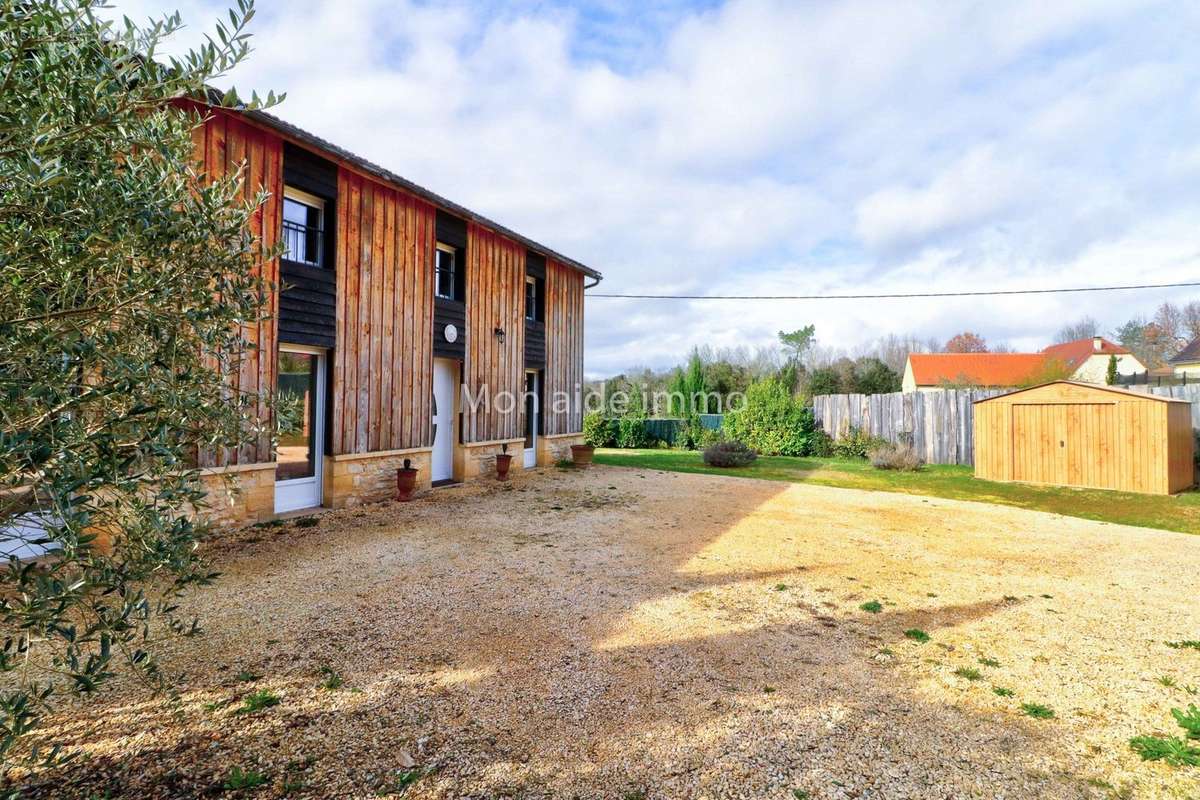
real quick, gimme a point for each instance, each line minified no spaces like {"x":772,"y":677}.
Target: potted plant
{"x":503,"y":461}
{"x":406,"y":481}
{"x":581,"y":454}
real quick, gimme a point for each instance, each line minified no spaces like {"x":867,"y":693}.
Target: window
{"x":303,"y":227}
{"x":446,"y":270}
{"x":531,"y":299}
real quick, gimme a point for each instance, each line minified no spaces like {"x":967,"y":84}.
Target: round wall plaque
{"x":451,"y":333}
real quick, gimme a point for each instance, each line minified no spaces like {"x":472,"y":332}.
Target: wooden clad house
{"x":1076,"y":434}
{"x":406,"y":328}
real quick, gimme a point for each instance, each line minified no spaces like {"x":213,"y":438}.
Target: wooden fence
{"x":941,"y":424}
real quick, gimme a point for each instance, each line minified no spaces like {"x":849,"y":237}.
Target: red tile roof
{"x":1075,"y":353}
{"x":978,"y":369}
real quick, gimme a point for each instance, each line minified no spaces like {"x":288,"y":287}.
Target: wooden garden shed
{"x":1078,"y":434}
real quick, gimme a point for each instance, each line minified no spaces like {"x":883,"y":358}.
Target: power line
{"x":895,"y":296}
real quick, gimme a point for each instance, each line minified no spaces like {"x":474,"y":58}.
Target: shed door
{"x":1066,"y":444}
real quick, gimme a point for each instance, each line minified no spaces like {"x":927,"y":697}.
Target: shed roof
{"x":1127,"y":393}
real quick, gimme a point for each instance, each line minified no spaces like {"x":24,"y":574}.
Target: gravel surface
{"x":625,"y":633}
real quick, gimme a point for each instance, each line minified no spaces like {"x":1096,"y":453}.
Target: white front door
{"x":532,"y":412}
{"x":445,"y":372}
{"x":300,"y":419}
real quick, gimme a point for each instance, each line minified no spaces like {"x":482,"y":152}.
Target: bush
{"x":729,"y":454}
{"x":631,"y":432}
{"x":856,"y":444}
{"x":902,"y":457}
{"x":599,"y":430}
{"x":822,"y":444}
{"x":772,"y":421}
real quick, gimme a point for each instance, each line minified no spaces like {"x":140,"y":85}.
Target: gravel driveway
{"x":623,"y":633}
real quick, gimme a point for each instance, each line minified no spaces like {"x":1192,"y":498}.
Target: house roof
{"x":981,"y":369}
{"x":1188,"y":354}
{"x":1092,"y":386}
{"x":1075,"y":353}
{"x":315,"y":142}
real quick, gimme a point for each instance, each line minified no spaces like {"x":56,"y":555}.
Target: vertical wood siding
{"x":495,"y":299}
{"x":383,"y":363}
{"x":1072,"y":435}
{"x":223,"y":144}
{"x":563,"y":411}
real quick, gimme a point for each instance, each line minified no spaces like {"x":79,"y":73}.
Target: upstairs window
{"x":532,"y":312}
{"x":303,"y":227}
{"x":446,"y":272}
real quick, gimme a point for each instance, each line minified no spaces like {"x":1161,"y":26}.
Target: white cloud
{"x":758,"y":146}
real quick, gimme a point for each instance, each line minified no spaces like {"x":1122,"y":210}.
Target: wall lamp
{"x":499,"y":334}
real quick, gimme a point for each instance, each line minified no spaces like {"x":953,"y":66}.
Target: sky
{"x":764,"y":147}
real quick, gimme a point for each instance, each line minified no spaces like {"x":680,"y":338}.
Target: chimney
{"x":1097,"y":344}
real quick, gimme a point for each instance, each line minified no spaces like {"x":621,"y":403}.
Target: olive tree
{"x":126,"y":279}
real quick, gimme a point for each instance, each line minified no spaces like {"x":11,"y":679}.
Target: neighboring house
{"x":1084,"y":360}
{"x":926,"y":372}
{"x":398,"y":305}
{"x":1187,"y":361}
{"x":1088,"y":359}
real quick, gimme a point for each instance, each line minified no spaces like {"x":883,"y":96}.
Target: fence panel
{"x":940,"y":424}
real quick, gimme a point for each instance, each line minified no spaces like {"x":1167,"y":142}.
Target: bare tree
{"x":1191,"y":320}
{"x":1082,"y":328}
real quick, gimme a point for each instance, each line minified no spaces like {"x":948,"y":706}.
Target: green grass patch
{"x":917,"y":635}
{"x":1171,"y":749}
{"x":1167,"y":681}
{"x":1000,"y":691}
{"x":257,"y":701}
{"x":1037,"y":711}
{"x":1189,"y":720}
{"x":238,"y":779}
{"x":970,"y":673}
{"x":1185,"y":644}
{"x":989,"y":662}
{"x":246,"y":676}
{"x":330,"y":680}
{"x":872,"y":607}
{"x":1178,"y":513}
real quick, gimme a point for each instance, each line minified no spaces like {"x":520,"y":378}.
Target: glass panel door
{"x":299,"y":421}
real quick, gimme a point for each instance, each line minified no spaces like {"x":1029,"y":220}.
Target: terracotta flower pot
{"x":582,"y":454}
{"x":406,"y":481}
{"x":503,"y":462}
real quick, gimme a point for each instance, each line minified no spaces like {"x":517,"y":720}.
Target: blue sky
{"x":756,"y":146}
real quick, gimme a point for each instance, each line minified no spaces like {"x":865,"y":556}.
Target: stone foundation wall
{"x":474,"y":461}
{"x":352,"y":480}
{"x":247,"y":497}
{"x":552,"y":449}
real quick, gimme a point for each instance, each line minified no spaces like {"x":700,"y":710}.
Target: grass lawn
{"x":1178,"y":513}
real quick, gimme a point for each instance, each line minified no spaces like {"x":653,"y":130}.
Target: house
{"x":1187,"y":361}
{"x":926,"y":372}
{"x":1083,"y":360}
{"x":409,"y":328}
{"x":1088,"y":359}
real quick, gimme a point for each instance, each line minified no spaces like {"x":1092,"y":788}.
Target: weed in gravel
{"x":1167,"y":681}
{"x":1189,"y":720}
{"x":970,"y":673}
{"x":636,"y":794}
{"x":271,"y":523}
{"x":1000,"y":691}
{"x":1008,"y":598}
{"x":917,"y":635}
{"x":989,"y":662}
{"x":1037,"y":711}
{"x":330,"y":679}
{"x":1192,"y":690}
{"x":1172,"y":749}
{"x":1184,"y":644}
{"x":769,"y":690}
{"x":872,"y":607}
{"x":246,"y":676}
{"x":307,"y":522}
{"x":886,"y":651}
{"x":257,"y":701}
{"x":930,"y":594}
{"x":565,"y":463}
{"x":781,"y":587}
{"x":800,"y":794}
{"x":244,"y":779}
{"x":217,"y":705}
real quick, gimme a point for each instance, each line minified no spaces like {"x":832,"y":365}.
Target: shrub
{"x":690,"y":434}
{"x":772,"y":421}
{"x":729,"y":454}
{"x":631,"y":432}
{"x":821,"y":444}
{"x":599,"y":430}
{"x":854,"y":443}
{"x":902,"y":457}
